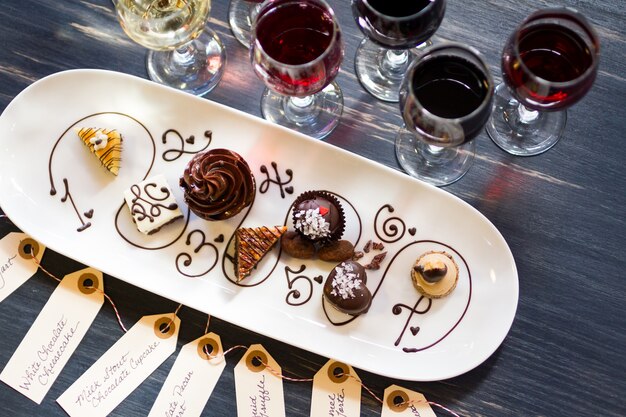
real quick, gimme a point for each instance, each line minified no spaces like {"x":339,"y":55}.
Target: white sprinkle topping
{"x":345,"y":281}
{"x":312,"y":224}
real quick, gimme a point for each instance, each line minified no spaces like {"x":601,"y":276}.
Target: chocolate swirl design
{"x":218,"y":184}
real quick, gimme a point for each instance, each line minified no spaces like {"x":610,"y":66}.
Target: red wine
{"x":451,"y":87}
{"x":398,"y":8}
{"x":548,"y":53}
{"x":297,"y":33}
{"x":398,"y":24}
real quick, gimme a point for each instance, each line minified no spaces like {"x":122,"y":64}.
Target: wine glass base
{"x":240,"y":20}
{"x":196,"y":67}
{"x":510,"y":132}
{"x":316,"y":116}
{"x":432,"y":164}
{"x":380,"y":76}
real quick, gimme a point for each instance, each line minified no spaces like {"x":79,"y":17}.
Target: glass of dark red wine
{"x":296,"y":50}
{"x":445,"y":99}
{"x":395,"y":31}
{"x":240,"y":16}
{"x":549,"y":63}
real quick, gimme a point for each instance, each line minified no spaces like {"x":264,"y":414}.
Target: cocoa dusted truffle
{"x":435,"y":274}
{"x":318,"y":216}
{"x":218,"y":184}
{"x":345,"y":288}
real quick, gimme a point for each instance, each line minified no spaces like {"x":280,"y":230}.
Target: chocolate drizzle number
{"x":187,"y":259}
{"x":265,"y":185}
{"x":68,"y":196}
{"x":149,"y":209}
{"x":173,"y":154}
{"x":397,"y":310}
{"x":295,"y":294}
{"x":390,"y":232}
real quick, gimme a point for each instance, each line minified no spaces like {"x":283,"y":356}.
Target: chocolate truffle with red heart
{"x":318,"y":216}
{"x":346,"y":290}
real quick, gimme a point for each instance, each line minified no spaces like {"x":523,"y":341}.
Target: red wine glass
{"x":240,"y":16}
{"x":395,"y":31}
{"x":296,"y":50}
{"x":549,"y":63}
{"x":445,"y":99}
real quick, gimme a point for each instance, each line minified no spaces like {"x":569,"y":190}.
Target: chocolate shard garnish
{"x":252,"y":244}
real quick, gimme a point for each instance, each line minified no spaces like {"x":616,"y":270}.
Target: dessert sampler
{"x":218,"y":184}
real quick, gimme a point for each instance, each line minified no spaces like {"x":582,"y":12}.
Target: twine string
{"x":171,"y":320}
{"x":115,"y":310}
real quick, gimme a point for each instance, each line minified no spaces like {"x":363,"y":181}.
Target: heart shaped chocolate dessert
{"x":346,"y":290}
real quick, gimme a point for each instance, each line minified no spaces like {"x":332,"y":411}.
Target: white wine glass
{"x":184,"y":52}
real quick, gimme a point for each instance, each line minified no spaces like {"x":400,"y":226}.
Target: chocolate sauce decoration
{"x":187,"y":259}
{"x":397,"y":310}
{"x":295,"y":294}
{"x":265,"y":185}
{"x":180,"y":151}
{"x":390,"y":231}
{"x":66,"y":196}
{"x":149,"y":208}
{"x":53,"y":190}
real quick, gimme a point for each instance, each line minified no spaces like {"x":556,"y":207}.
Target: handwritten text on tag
{"x":55,"y":334}
{"x":192,"y":378}
{"x":336,"y":391}
{"x":259,"y":392}
{"x":16,"y":264}
{"x":123,"y":367}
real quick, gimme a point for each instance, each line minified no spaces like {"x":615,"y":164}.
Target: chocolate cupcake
{"x":218,"y":184}
{"x":345,"y":288}
{"x":318,"y":216}
{"x":435,"y":274}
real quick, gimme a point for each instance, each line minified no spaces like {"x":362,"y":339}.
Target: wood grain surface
{"x":562,"y":213}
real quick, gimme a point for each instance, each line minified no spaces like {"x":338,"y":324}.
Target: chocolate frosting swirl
{"x":218,"y":184}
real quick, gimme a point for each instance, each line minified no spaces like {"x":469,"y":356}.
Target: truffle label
{"x":192,"y":379}
{"x":55,"y":334}
{"x":16,"y":265}
{"x":401,"y":402}
{"x":258,"y":387}
{"x":336,"y":391}
{"x":123,"y":367}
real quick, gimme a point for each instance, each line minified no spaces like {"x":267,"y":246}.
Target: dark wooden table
{"x":562,"y":213}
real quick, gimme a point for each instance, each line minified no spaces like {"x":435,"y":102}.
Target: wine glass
{"x":395,"y":31}
{"x":184,"y":53}
{"x":445,"y":99}
{"x":549,"y":62}
{"x":296,"y":49}
{"x":240,"y":16}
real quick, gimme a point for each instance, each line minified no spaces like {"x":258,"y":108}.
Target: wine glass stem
{"x":300,"y":109}
{"x":526,"y":115}
{"x":395,"y":60}
{"x":434,"y":150}
{"x":182,"y":55}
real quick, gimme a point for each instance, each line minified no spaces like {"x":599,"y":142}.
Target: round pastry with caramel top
{"x":318,"y":216}
{"x":217,"y":184}
{"x":435,"y":274}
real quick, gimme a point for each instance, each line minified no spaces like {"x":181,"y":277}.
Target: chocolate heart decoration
{"x":89,"y":214}
{"x":319,"y":279}
{"x":412,"y":231}
{"x":190,"y":140}
{"x":414,"y":330}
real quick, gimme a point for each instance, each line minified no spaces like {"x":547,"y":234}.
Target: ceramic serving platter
{"x":54,"y":189}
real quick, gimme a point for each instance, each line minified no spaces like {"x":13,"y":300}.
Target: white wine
{"x":163,"y":24}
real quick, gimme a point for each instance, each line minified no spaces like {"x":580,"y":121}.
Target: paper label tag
{"x":16,"y":264}
{"x":401,"y":402}
{"x":122,"y":368}
{"x":55,"y":334}
{"x":335,"y":393}
{"x":259,"y":392}
{"x":192,"y":379}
